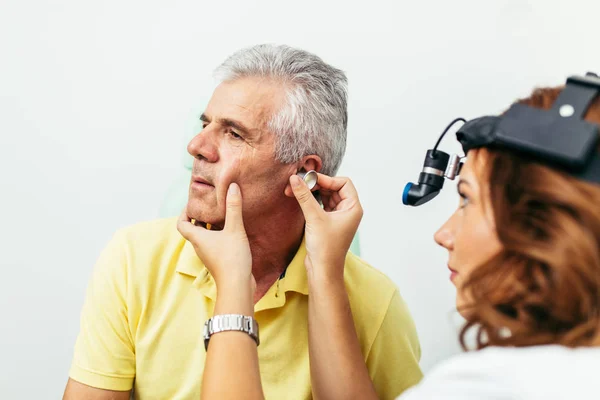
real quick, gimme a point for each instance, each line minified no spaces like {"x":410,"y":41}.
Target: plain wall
{"x":96,"y":99}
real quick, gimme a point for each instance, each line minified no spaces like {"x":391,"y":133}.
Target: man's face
{"x":236,"y":146}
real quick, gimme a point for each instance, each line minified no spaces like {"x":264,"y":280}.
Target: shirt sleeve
{"x":393,"y":360}
{"x":104,"y":355}
{"x":464,"y":377}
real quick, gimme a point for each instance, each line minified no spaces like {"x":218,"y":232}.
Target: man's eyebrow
{"x":234,"y":124}
{"x":227,"y":122}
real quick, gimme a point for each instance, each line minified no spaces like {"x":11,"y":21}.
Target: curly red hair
{"x":544,"y":287}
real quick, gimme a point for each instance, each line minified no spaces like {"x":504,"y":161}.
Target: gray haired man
{"x":277,"y":111}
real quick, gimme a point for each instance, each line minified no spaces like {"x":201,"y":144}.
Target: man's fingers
{"x":309,"y":205}
{"x":233,"y":216}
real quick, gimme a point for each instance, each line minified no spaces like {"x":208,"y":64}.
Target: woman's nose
{"x":444,"y":237}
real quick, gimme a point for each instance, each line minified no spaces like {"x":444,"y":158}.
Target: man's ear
{"x":308,"y":163}
{"x":311,"y":163}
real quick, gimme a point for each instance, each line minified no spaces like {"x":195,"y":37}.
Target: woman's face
{"x":469,"y":234}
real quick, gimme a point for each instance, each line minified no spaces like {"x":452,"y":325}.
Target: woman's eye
{"x":464,"y":199}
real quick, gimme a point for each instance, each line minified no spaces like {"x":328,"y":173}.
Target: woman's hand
{"x":231,"y":365}
{"x":226,"y":253}
{"x":331,"y":228}
{"x":337,"y":366}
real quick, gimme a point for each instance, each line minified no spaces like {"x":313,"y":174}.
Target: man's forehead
{"x":252,"y":101}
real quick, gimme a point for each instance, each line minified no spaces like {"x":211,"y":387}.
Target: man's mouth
{"x":199,"y":179}
{"x":200,"y":183}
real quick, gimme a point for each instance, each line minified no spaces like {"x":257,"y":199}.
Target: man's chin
{"x":202,"y":213}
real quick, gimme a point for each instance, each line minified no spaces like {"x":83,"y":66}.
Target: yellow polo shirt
{"x":148,"y":299}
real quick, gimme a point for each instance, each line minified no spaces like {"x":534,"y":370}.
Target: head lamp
{"x":558,"y":137}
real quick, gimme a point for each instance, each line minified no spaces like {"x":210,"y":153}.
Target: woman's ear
{"x":308,"y":163}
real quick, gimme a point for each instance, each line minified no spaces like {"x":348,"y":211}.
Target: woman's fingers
{"x":309,"y":205}
{"x":329,"y":183}
{"x":189,"y":231}
{"x":333,"y":201}
{"x":184,"y":225}
{"x":341,"y":185}
{"x":234,"y":219}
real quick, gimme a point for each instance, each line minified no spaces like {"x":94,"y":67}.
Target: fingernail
{"x":233,"y":189}
{"x":296,"y":181}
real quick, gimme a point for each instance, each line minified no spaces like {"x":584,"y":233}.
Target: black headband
{"x":559,"y":136}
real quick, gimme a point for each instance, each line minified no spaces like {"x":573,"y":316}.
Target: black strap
{"x":592,"y":171}
{"x":578,"y":96}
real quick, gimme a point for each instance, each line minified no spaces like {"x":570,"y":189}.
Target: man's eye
{"x":204,"y":125}
{"x":235,"y":135}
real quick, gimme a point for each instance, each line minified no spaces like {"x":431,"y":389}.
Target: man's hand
{"x":226,"y":254}
{"x":331,"y":228}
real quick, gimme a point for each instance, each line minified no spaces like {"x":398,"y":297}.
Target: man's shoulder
{"x":370,"y":291}
{"x":362,"y":277}
{"x":149,"y":233}
{"x":375,"y":299}
{"x":149,"y":244}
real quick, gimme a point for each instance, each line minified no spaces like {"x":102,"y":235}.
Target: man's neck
{"x":274,"y":242}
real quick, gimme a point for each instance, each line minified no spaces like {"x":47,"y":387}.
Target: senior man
{"x":276,"y":111}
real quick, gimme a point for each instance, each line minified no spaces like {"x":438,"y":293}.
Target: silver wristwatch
{"x":230,"y":322}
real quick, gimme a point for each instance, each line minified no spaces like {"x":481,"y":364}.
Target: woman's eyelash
{"x":465,"y":199}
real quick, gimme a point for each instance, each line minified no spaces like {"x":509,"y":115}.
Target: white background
{"x":96,"y":99}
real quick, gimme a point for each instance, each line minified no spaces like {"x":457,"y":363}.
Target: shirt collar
{"x":294,"y":279}
{"x":190,"y":264}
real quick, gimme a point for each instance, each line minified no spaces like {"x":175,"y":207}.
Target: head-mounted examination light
{"x":558,"y":137}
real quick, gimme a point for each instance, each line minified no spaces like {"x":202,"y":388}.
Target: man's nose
{"x":204,"y":146}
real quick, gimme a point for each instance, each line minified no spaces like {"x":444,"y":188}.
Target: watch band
{"x":230,"y":322}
